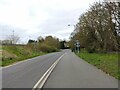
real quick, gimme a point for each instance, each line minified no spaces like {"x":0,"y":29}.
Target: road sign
{"x":77,"y":46}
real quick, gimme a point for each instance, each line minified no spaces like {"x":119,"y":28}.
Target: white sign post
{"x":77,"y":46}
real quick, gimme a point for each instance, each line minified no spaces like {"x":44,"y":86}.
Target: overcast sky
{"x":33,"y":18}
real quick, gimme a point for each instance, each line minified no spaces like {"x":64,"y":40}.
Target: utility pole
{"x":29,"y":38}
{"x":13,"y":37}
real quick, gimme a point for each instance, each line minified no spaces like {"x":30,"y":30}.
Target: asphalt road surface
{"x":70,"y":72}
{"x":73,"y":72}
{"x":26,"y":74}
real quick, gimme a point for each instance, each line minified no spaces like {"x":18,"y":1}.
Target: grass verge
{"x":108,"y":62}
{"x":15,"y":60}
{"x":12,"y":54}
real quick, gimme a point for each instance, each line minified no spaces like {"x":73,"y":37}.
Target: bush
{"x":46,"y":48}
{"x":90,"y":49}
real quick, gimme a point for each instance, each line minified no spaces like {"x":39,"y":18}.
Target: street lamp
{"x":71,"y":25}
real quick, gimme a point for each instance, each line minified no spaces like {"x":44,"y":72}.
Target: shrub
{"x":46,"y":48}
{"x":90,"y":49}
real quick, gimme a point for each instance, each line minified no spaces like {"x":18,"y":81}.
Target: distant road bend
{"x":69,"y":71}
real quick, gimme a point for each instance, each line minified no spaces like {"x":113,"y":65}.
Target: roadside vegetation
{"x":98,"y":31}
{"x":107,"y":62}
{"x":12,"y":53}
{"x":15,"y":53}
{"x":0,"y":55}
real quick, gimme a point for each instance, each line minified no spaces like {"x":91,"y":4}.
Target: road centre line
{"x":45,"y":76}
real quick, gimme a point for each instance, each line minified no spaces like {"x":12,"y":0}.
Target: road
{"x":70,"y":72}
{"x":73,"y":72}
{"x":26,"y":74}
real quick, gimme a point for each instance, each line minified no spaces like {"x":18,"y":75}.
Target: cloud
{"x":41,"y":17}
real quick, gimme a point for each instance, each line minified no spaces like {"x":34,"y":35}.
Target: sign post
{"x":77,"y":46}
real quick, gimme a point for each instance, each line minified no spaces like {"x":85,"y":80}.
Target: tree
{"x":40,"y":39}
{"x":49,"y":44}
{"x":31,"y":41}
{"x":6,"y":42}
{"x":54,"y":42}
{"x":98,"y":27}
{"x":13,"y":38}
{"x":64,"y":44}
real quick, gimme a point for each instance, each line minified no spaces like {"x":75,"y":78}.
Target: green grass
{"x":8,"y":62}
{"x":0,"y":63}
{"x":13,"y":54}
{"x":108,"y":62}
{"x":0,"y":55}
{"x":0,"y":47}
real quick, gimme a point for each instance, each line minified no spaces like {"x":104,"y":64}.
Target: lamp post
{"x":13,"y":37}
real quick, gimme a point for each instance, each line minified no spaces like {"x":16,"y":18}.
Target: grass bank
{"x":0,"y":55}
{"x":108,"y":62}
{"x":14,"y":53}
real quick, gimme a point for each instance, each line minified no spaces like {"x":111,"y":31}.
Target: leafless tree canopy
{"x":13,"y":38}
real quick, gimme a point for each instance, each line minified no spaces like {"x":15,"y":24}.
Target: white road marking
{"x":43,"y":79}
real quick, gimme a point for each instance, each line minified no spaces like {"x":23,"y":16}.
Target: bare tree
{"x":13,"y":38}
